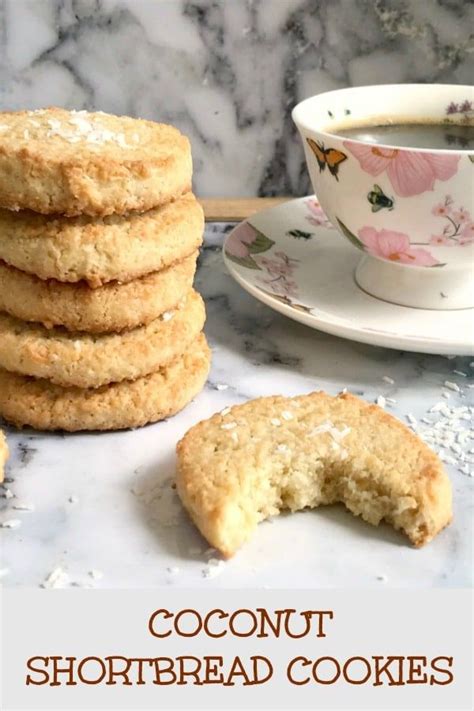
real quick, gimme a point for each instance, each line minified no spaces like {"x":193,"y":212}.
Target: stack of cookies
{"x":100,"y":327}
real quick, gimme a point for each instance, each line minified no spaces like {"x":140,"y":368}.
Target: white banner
{"x":229,"y":649}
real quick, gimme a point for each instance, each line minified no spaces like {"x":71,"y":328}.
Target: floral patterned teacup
{"x":410,"y":210}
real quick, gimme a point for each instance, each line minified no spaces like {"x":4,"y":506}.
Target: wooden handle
{"x":236,"y":209}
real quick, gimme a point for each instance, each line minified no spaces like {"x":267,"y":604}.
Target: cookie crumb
{"x":214,"y":568}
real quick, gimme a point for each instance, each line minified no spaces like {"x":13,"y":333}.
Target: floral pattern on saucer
{"x":311,"y":280}
{"x":246,"y":246}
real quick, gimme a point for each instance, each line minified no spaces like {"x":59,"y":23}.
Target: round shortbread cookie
{"x":99,"y":250}
{"x":3,"y":454}
{"x":37,"y":403}
{"x":88,"y":361}
{"x":76,"y":162}
{"x":112,"y":307}
{"x":251,"y":461}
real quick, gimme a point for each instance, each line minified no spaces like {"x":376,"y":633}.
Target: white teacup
{"x":410,"y":210}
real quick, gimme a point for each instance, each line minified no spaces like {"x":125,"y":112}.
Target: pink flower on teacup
{"x":240,"y":240}
{"x":441,"y":209}
{"x":395,"y":247}
{"x":410,"y":172}
{"x":461,"y":215}
{"x":440,"y":241}
{"x":467,"y":234}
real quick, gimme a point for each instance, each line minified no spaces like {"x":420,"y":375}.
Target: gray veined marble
{"x":226,"y":72}
{"x":105,"y":502}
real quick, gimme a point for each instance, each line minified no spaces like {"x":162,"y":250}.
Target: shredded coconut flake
{"x":228,"y":425}
{"x":24,"y":507}
{"x":58,"y":578}
{"x":331,"y":429}
{"x":287,"y":415}
{"x":221,"y":386}
{"x":388,"y":379}
{"x":275,"y":422}
{"x":11,"y":523}
{"x":449,"y":435}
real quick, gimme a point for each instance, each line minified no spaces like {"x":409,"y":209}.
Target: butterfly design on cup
{"x":330,"y":157}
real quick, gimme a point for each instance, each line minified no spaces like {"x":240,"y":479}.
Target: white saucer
{"x":290,"y":258}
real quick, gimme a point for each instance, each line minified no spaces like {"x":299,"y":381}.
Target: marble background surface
{"x":226,"y":72}
{"x":105,"y":513}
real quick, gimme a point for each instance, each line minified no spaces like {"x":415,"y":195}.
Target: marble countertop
{"x":105,"y":514}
